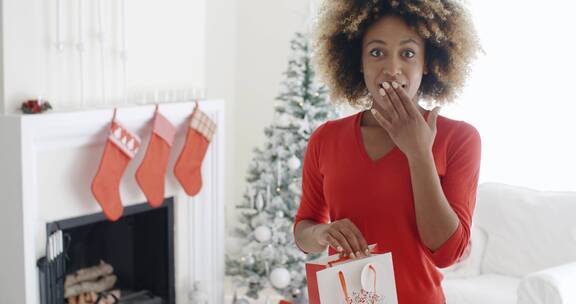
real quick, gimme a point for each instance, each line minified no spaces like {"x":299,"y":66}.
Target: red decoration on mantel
{"x":34,"y":106}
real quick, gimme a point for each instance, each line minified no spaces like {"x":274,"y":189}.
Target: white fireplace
{"x":46,"y":166}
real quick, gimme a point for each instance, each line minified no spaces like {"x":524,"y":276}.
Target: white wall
{"x":520,"y":93}
{"x":165,"y":47}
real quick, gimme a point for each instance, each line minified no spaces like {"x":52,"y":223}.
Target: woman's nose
{"x":392,"y":73}
{"x":392,"y":68}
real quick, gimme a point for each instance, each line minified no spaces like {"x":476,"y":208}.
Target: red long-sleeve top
{"x":340,"y":180}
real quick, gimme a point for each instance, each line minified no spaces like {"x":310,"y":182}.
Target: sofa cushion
{"x":483,"y":289}
{"x":528,"y":230}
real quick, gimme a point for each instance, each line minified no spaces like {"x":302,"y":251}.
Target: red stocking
{"x":189,"y":163}
{"x":152,"y":171}
{"x":120,"y":148}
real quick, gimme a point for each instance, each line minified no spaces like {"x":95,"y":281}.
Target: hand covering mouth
{"x":403,"y":85}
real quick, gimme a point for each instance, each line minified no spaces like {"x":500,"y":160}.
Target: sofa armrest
{"x":555,"y":285}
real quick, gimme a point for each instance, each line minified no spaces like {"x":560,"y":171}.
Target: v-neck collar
{"x":360,"y":142}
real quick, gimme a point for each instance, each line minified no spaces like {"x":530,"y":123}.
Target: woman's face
{"x":392,"y":51}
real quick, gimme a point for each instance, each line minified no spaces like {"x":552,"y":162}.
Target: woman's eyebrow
{"x":409,"y":40}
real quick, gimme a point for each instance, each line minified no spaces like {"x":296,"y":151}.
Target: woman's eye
{"x":376,"y":53}
{"x":409,"y":53}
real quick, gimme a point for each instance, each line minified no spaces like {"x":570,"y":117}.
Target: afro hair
{"x":445,"y":26}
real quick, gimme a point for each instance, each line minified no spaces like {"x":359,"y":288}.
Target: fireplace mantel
{"x":46,"y":165}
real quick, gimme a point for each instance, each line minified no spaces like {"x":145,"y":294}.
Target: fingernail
{"x":367,"y":252}
{"x":394,"y":84}
{"x":352,"y":255}
{"x":339,"y":248}
{"x":382,"y":92}
{"x":386,"y":85}
{"x":358,"y":253}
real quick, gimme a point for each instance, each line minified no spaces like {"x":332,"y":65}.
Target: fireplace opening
{"x":139,"y":247}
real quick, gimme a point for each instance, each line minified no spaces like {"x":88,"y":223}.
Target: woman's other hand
{"x":342,"y":235}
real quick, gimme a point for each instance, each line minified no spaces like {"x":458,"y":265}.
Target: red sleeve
{"x":312,"y":204}
{"x":459,"y":185}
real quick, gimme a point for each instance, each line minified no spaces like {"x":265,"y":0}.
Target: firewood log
{"x":100,"y":285}
{"x":89,"y":274}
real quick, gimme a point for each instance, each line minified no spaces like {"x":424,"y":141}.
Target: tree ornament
{"x":259,"y":202}
{"x":294,"y":163}
{"x":262,"y":234}
{"x":280,"y":277}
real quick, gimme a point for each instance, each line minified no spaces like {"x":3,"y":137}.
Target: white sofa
{"x":523,"y":249}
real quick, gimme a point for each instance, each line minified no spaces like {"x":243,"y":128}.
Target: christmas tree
{"x":269,"y":256}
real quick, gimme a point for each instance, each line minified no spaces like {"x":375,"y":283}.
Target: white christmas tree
{"x":268,"y":255}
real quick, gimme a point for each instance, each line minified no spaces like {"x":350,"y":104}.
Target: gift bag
{"x":335,"y":280}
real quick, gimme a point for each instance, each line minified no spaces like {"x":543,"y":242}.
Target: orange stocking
{"x":152,"y":171}
{"x":120,"y":148}
{"x":188,"y":166}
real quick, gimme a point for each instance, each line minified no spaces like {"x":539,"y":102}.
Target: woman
{"x":396,"y":175}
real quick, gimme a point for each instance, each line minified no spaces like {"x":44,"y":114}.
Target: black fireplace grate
{"x":52,"y":269}
{"x":140,"y":247}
